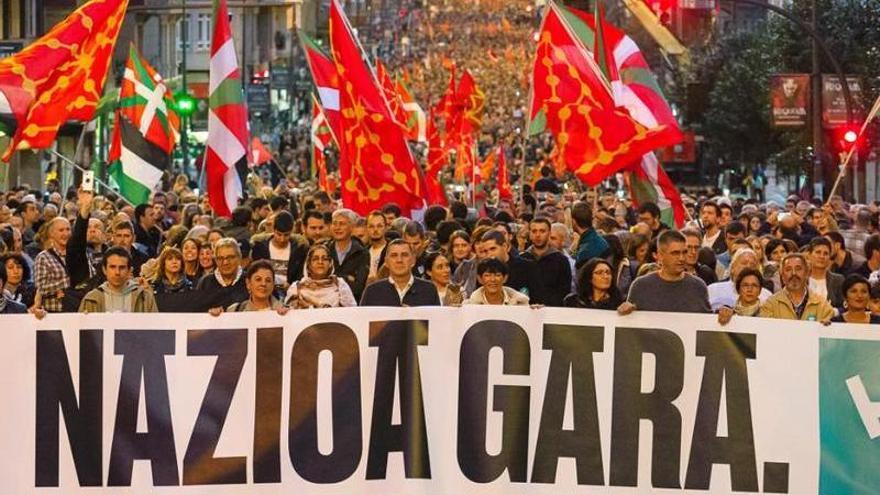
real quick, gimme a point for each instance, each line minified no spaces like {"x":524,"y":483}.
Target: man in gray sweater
{"x":672,"y":288}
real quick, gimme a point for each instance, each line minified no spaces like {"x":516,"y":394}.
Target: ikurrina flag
{"x":145,"y":132}
{"x":635,"y":88}
{"x":226,"y":158}
{"x":322,"y":137}
{"x":60,"y":76}
{"x":573,"y":99}
{"x":416,"y":122}
{"x":406,"y":111}
{"x":378,"y":167}
{"x":326,"y":81}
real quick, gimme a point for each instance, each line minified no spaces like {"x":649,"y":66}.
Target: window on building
{"x":203,"y":32}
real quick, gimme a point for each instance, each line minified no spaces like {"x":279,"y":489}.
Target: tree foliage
{"x":735,"y":69}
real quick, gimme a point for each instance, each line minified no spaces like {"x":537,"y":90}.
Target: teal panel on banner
{"x":849,"y":398}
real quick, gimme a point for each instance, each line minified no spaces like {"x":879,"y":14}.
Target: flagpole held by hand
{"x":72,"y":163}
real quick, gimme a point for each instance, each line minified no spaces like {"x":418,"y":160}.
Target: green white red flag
{"x":226,"y":158}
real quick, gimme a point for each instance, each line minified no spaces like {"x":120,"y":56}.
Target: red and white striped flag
{"x":228,"y":135}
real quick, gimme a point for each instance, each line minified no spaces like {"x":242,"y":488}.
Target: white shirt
{"x":375,"y":252}
{"x":710,"y":241}
{"x":279,"y":257}
{"x":402,"y":292}
{"x":724,"y":294}
{"x":819,"y":287}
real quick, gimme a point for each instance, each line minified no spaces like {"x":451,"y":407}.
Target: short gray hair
{"x":349,"y":215}
{"x":227,"y":242}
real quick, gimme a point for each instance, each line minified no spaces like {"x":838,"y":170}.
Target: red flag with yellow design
{"x":503,"y":185}
{"x":438,"y":158}
{"x":572,"y":99}
{"x":60,"y":76}
{"x":379,"y":167}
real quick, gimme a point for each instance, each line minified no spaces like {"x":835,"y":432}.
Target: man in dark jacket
{"x":146,"y":233}
{"x":226,"y":284}
{"x":287,"y":256}
{"x":401,"y":288}
{"x":553,"y":270}
{"x":86,"y":246}
{"x":350,"y":260}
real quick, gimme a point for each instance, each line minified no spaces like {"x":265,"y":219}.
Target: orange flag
{"x":60,"y":76}
{"x":379,"y":166}
{"x":437,"y":159}
{"x":504,"y":189}
{"x":487,"y":166}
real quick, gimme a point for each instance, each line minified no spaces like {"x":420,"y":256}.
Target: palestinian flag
{"x":60,"y":76}
{"x":146,"y":130}
{"x":226,"y":161}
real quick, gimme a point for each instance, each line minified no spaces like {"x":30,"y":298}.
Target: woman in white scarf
{"x":319,"y":288}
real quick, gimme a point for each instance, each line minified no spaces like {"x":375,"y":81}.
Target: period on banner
{"x":475,"y":400}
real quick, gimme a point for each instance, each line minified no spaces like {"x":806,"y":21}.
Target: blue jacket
{"x":590,"y":245}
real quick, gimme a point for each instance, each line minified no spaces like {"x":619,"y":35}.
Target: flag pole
{"x":72,"y":163}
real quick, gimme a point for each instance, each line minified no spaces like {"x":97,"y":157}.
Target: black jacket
{"x":554,"y":276}
{"x":523,"y":277}
{"x":355,"y":268}
{"x":383,"y":293}
{"x":149,"y":239}
{"x":295,"y":262}
{"x":210,"y":294}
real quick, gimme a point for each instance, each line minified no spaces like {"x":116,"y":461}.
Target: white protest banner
{"x":476,"y":400}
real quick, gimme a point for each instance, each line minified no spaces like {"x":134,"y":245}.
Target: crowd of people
{"x":285,"y":252}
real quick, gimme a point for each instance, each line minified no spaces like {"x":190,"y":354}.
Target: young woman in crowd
{"x":18,"y":283}
{"x":460,"y":249}
{"x":319,"y":288}
{"x":190,"y":249}
{"x":206,"y":258}
{"x":595,"y":287}
{"x":437,"y":270}
{"x":857,"y":296}
{"x":170,"y":274}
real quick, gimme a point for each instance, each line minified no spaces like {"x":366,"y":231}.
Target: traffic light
{"x":846,"y":137}
{"x":186,"y":104}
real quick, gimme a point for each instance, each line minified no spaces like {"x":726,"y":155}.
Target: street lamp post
{"x":184,"y":121}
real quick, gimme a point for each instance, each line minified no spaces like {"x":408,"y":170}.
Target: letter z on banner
{"x":477,"y":400}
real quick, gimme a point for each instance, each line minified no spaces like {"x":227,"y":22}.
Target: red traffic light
{"x":850,"y":136}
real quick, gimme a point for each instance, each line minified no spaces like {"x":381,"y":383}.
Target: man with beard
{"x":694,"y":241}
{"x":841,"y":257}
{"x":712,"y":237}
{"x":795,"y":301}
{"x":86,"y":243}
{"x":553,"y":271}
{"x":376,"y":227}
